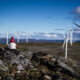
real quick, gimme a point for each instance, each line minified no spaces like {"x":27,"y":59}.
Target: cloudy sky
{"x":39,"y":16}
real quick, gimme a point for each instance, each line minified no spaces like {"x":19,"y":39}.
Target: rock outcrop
{"x":16,"y":65}
{"x":54,"y":64}
{"x":13,"y":57}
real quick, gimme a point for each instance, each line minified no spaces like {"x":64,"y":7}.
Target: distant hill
{"x":3,"y":40}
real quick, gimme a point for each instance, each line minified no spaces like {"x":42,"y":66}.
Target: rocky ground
{"x":34,"y":65}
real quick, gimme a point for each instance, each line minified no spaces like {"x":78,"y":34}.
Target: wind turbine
{"x":71,"y":35}
{"x":27,"y":40}
{"x":27,"y":36}
{"x":66,"y":44}
{"x":64,"y":38}
{"x":7,"y":38}
{"x":18,"y":34}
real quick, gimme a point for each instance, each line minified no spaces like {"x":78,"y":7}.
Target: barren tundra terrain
{"x":40,"y":61}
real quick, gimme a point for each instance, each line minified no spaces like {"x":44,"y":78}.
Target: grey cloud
{"x":76,"y":13}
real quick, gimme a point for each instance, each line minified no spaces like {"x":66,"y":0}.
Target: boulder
{"x":20,"y":67}
{"x":2,"y":49}
{"x":54,"y":64}
{"x":26,"y":63}
{"x":63,"y":65}
{"x":47,"y":77}
{"x":11,"y":57}
{"x":29,"y":55}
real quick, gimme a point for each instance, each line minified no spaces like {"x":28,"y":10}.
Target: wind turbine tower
{"x":26,"y":35}
{"x":71,"y":35}
{"x":18,"y":37}
{"x":66,"y":44}
{"x":7,"y":38}
{"x":27,"y":40}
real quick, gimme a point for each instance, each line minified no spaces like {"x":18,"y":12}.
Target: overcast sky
{"x":38,"y":15}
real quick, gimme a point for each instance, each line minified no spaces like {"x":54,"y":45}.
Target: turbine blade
{"x":68,"y":35}
{"x":63,"y":34}
{"x":76,"y":25}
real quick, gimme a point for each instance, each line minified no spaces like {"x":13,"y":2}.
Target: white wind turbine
{"x":27,"y":36}
{"x":7,"y":38}
{"x":71,"y":35}
{"x":66,"y":44}
{"x":18,"y":36}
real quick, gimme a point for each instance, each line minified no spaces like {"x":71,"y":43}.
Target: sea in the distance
{"x":2,"y":42}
